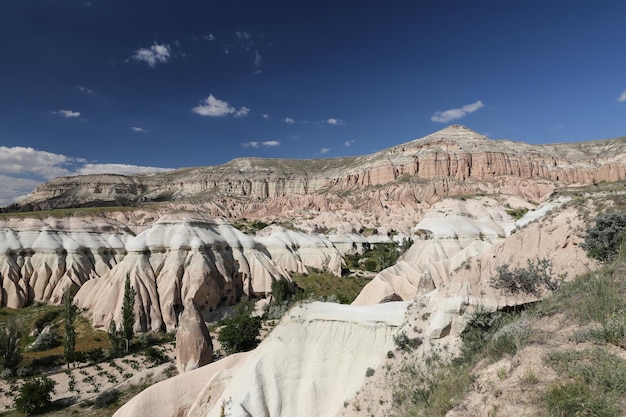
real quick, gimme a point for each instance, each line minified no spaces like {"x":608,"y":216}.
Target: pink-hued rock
{"x":388,"y":185}
{"x":170,"y":259}
{"x":193,"y":342}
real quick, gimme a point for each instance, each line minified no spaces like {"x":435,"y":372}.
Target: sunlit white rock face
{"x":311,"y":363}
{"x":176,"y":258}
{"x":296,"y":250}
{"x":40,"y":258}
{"x":451,"y":232}
{"x":463,"y":242}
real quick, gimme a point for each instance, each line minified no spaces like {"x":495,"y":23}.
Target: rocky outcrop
{"x":310,"y":365}
{"x":458,"y":159}
{"x":193,"y":342}
{"x":451,"y":232}
{"x":174,"y":396}
{"x":296,"y":250}
{"x":170,"y":260}
{"x":461,"y":244}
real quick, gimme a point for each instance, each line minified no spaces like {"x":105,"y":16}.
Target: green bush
{"x":155,"y":356}
{"x":46,"y":318}
{"x":45,"y":341}
{"x":479,"y":334}
{"x":405,"y":343}
{"x":517,"y":213}
{"x":10,"y":351}
{"x":538,"y":274}
{"x":596,"y":367}
{"x":35,"y":395}
{"x":281,"y":291}
{"x":603,"y":240}
{"x":596,"y":383}
{"x":371,"y":265}
{"x":598,"y":297}
{"x":106,"y":398}
{"x":240,"y":333}
{"x":116,"y":337}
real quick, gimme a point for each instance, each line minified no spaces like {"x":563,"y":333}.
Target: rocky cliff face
{"x":175,"y":258}
{"x":452,"y":161}
{"x":462,"y":243}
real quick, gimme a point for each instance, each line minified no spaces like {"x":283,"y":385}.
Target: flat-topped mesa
{"x":456,"y":155}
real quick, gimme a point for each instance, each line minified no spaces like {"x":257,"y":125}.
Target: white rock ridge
{"x":451,"y":232}
{"x":311,"y":363}
{"x":175,"y":258}
{"x":460,"y":244}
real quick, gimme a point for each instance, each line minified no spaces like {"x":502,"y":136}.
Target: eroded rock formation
{"x":175,"y":258}
{"x":308,"y":366}
{"x":193,"y":342}
{"x":453,"y":161}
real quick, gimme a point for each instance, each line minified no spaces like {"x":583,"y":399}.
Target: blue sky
{"x":132,"y":85}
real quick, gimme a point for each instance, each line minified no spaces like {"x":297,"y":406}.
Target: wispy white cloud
{"x":330,"y":121}
{"x":334,"y":122}
{"x":138,"y":129}
{"x":85,"y":90}
{"x":214,"y":107}
{"x":258,"y":59}
{"x":68,"y":114}
{"x":156,"y":54}
{"x":265,"y":116}
{"x":242,"y":112}
{"x":209,"y":37}
{"x":324,"y":150}
{"x":622,"y":97}
{"x":349,"y":143}
{"x":23,"y":168}
{"x":453,"y":114}
{"x":267,"y":144}
{"x":242,"y":34}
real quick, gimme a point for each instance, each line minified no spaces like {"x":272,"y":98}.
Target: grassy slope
{"x":564,"y":356}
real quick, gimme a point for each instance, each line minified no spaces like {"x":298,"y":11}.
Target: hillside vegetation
{"x":562,"y":356}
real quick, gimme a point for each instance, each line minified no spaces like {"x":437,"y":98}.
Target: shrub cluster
{"x":530,"y":280}
{"x":405,"y":343}
{"x":44,"y":341}
{"x":10,"y":351}
{"x":603,"y":240}
{"x":240,"y":332}
{"x":35,"y":395}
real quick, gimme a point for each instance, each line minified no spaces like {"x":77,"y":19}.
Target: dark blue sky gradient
{"x":545,"y":71}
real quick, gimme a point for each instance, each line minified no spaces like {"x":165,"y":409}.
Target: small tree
{"x":240,"y":332}
{"x":128,"y":312}
{"x":386,"y":254}
{"x":70,"y":311}
{"x":603,"y":240}
{"x":281,"y":291}
{"x":10,"y":350}
{"x":35,"y":395}
{"x":116,"y":338}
